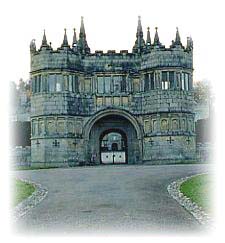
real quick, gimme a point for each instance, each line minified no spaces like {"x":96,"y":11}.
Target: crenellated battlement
{"x":78,"y":56}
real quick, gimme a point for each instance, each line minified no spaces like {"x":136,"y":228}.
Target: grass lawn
{"x":21,"y":191}
{"x":199,"y":189}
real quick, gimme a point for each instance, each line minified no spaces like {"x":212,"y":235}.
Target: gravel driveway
{"x":109,"y":199}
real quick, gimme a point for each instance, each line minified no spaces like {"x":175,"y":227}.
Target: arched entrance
{"x":113,"y":147}
{"x":126,"y":129}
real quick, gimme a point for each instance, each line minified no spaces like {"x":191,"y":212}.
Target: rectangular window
{"x":65,"y":81}
{"x":182,"y":82}
{"x":136,"y":85}
{"x":39,"y":83}
{"x":164,"y":76}
{"x":76,"y":84}
{"x":186,"y":81}
{"x":33,"y":128}
{"x":100,"y":83}
{"x":35,"y":84}
{"x":165,"y":85}
{"x":123,"y":84}
{"x":146,"y":82}
{"x":165,"y":81}
{"x":171,"y":79}
{"x":116,"y":84}
{"x":51,"y":83}
{"x":152,"y":80}
{"x":58,"y":83}
{"x":44,"y":77}
{"x":73,"y":83}
{"x":70,"y":83}
{"x":107,"y":80}
{"x":32,"y":85}
{"x":178,"y":81}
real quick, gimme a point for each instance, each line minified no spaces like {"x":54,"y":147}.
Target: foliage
{"x":202,"y":92}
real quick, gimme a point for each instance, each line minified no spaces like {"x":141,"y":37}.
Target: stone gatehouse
{"x":114,"y":107}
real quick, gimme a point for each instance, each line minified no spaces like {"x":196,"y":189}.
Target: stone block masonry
{"x":81,"y":100}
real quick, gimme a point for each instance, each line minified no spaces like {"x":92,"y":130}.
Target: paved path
{"x":109,"y":199}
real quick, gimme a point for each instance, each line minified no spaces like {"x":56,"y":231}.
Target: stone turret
{"x":82,"y":45}
{"x":139,"y":45}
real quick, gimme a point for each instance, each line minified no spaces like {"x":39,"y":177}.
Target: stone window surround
{"x":178,"y":84}
{"x":69,"y":82}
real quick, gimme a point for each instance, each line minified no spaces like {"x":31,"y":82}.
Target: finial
{"x":65,"y":41}
{"x":156,"y":38}
{"x":148,"y":41}
{"x":82,"y":42}
{"x":74,"y":38}
{"x":44,"y":40}
{"x":82,"y":29}
{"x":139,"y":43}
{"x":177,"y":41}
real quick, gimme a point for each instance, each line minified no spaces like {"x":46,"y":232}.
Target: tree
{"x":202,"y":92}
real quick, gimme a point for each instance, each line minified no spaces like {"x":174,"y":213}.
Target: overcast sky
{"x":109,"y":25}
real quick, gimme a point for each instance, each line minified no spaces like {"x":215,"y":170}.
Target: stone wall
{"x":20,"y":156}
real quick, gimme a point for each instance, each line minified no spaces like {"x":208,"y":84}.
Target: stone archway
{"x":117,"y":120}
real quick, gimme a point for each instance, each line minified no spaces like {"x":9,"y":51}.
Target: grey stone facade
{"x":78,"y":95}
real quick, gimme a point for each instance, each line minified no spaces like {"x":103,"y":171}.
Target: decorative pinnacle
{"x":148,"y":41}
{"x":44,"y":40}
{"x":65,"y":41}
{"x":74,"y":38}
{"x":156,"y":38}
{"x":82,"y":29}
{"x":82,"y":42}
{"x":139,"y":28}
{"x":177,"y":39}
